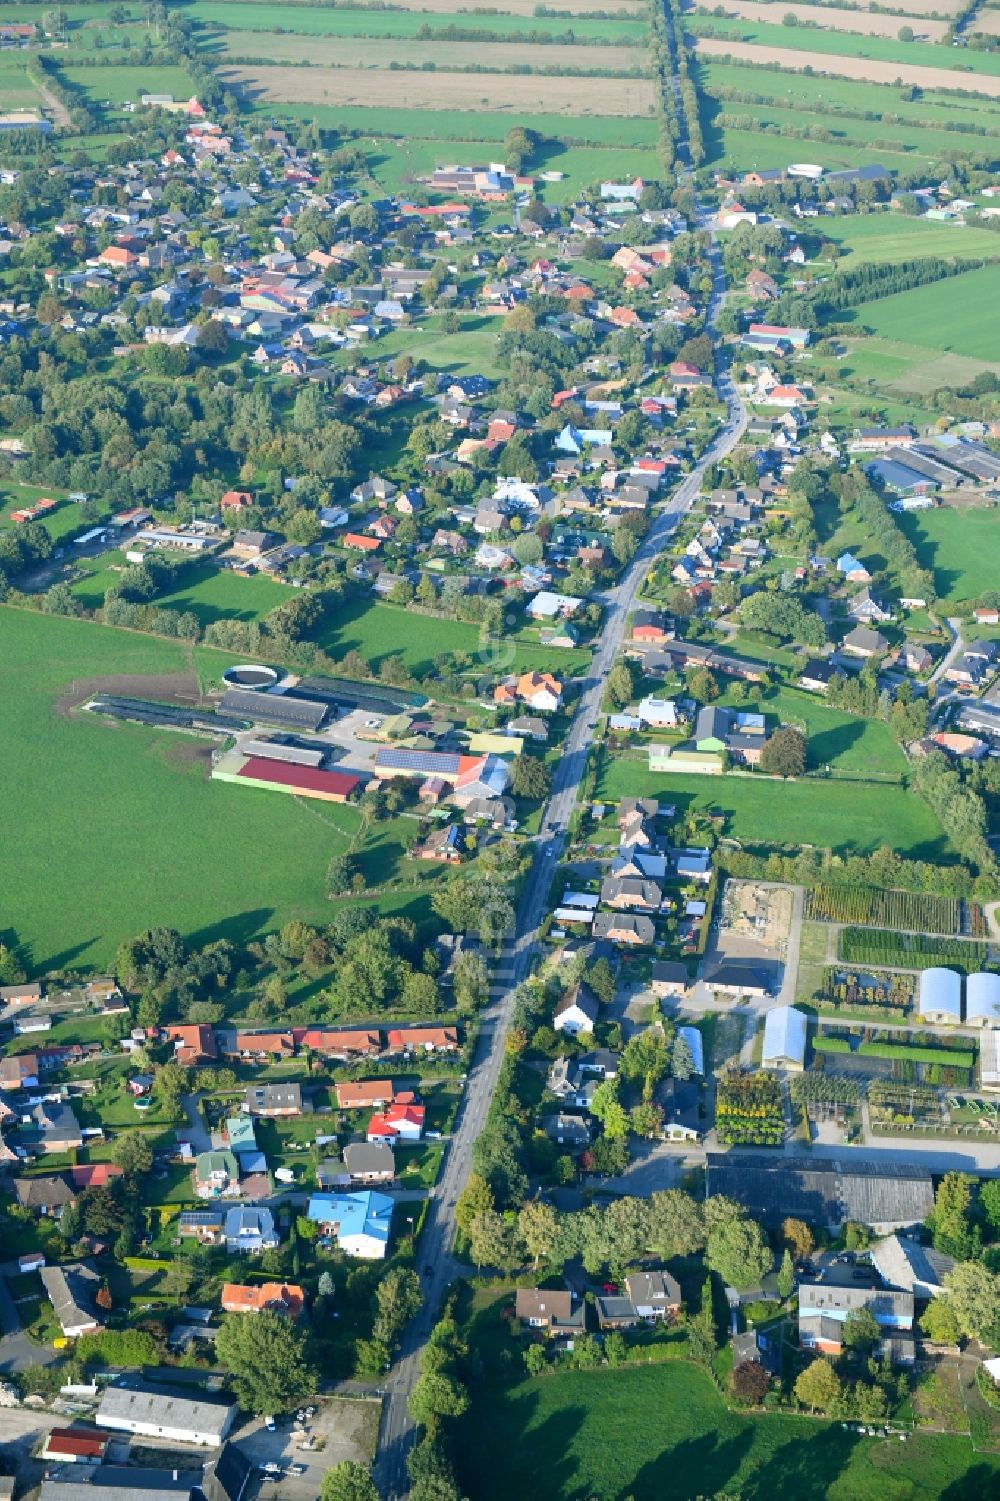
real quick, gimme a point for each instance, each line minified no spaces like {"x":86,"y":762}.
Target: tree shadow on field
{"x":57,"y":963}
{"x":695,"y":1467}
{"x":510,"y":1458}
{"x":239,"y":929}
{"x":829,"y":745}
{"x":804,"y":1468}
{"x":976,"y":1484}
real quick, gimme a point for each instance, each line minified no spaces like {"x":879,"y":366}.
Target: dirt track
{"x":506,"y":93}
{"x":865,"y":69}
{"x":829,"y":18}
{"x":163,"y":687}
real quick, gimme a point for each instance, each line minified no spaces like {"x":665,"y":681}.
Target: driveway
{"x":17,"y":1351}
{"x":196,"y":1130}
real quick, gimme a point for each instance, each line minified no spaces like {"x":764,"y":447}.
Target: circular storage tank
{"x":248,"y":676}
{"x":805,"y":169}
{"x":982,"y":1000}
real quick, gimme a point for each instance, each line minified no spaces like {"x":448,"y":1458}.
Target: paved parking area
{"x":344,"y":1427}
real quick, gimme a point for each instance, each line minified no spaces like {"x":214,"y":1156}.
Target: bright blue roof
{"x":848,"y":563}
{"x":366,"y":1213}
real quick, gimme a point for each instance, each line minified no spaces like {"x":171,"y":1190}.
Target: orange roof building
{"x":357,"y":1094}
{"x":275,"y":1297}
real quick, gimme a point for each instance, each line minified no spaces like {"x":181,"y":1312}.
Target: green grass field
{"x":893,"y":237}
{"x":405,"y":24}
{"x":214,"y":594}
{"x":845,"y":816}
{"x":395,"y":163}
{"x":16,"y":89}
{"x":118,"y":84}
{"x":841,"y":740}
{"x":663,"y":1431}
{"x":465,"y":125}
{"x":961,"y":547}
{"x":946,"y":315}
{"x":115,"y":827}
{"x":378,"y":631}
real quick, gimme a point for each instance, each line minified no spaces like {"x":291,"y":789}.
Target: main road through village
{"x":513,"y":962}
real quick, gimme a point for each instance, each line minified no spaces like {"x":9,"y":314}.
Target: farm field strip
{"x":587,"y":1433}
{"x":855,"y":135}
{"x":746,"y":149}
{"x":868,"y":70}
{"x":501,"y":93}
{"x":382,"y":52}
{"x":569,"y":9}
{"x":987,"y":23}
{"x":16,"y":89}
{"x":846,"y":44}
{"x":827,"y":92}
{"x":121,"y":83}
{"x":864,"y":23}
{"x":410,"y":24}
{"x":877,"y":238}
{"x":465,"y":126}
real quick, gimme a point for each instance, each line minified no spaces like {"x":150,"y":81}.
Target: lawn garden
{"x":664,"y":1431}
{"x":961,"y":546}
{"x":847,"y":816}
{"x":378,"y":631}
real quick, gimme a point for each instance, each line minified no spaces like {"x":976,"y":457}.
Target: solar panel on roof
{"x":424,"y":761}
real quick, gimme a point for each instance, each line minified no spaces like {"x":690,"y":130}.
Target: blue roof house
{"x":359,"y":1222}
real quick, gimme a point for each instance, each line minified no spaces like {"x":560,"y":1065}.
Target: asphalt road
{"x":397,"y":1430}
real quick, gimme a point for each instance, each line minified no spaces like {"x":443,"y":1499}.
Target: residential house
{"x":906,"y":1265}
{"x":285,"y":1298}
{"x":627,"y":930}
{"x":816,"y":675}
{"x":400,"y":1121}
{"x":72,"y":1289}
{"x":363,"y":1094}
{"x":865,"y":607}
{"x":55,"y":1128}
{"x":570,"y":1131}
{"x":669,"y":978}
{"x":423,"y":1039}
{"x":577,"y":1011}
{"x":865,"y":643}
{"x":44,"y":1196}
{"x":206,"y":1226}
{"x":274,"y":1101}
{"x":250,"y":1230}
{"x":555,"y":1312}
{"x":368,"y":1162}
{"x":825,"y":1307}
{"x":629,"y":894}
{"x":216,"y":1175}
{"x":359,"y":1222}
